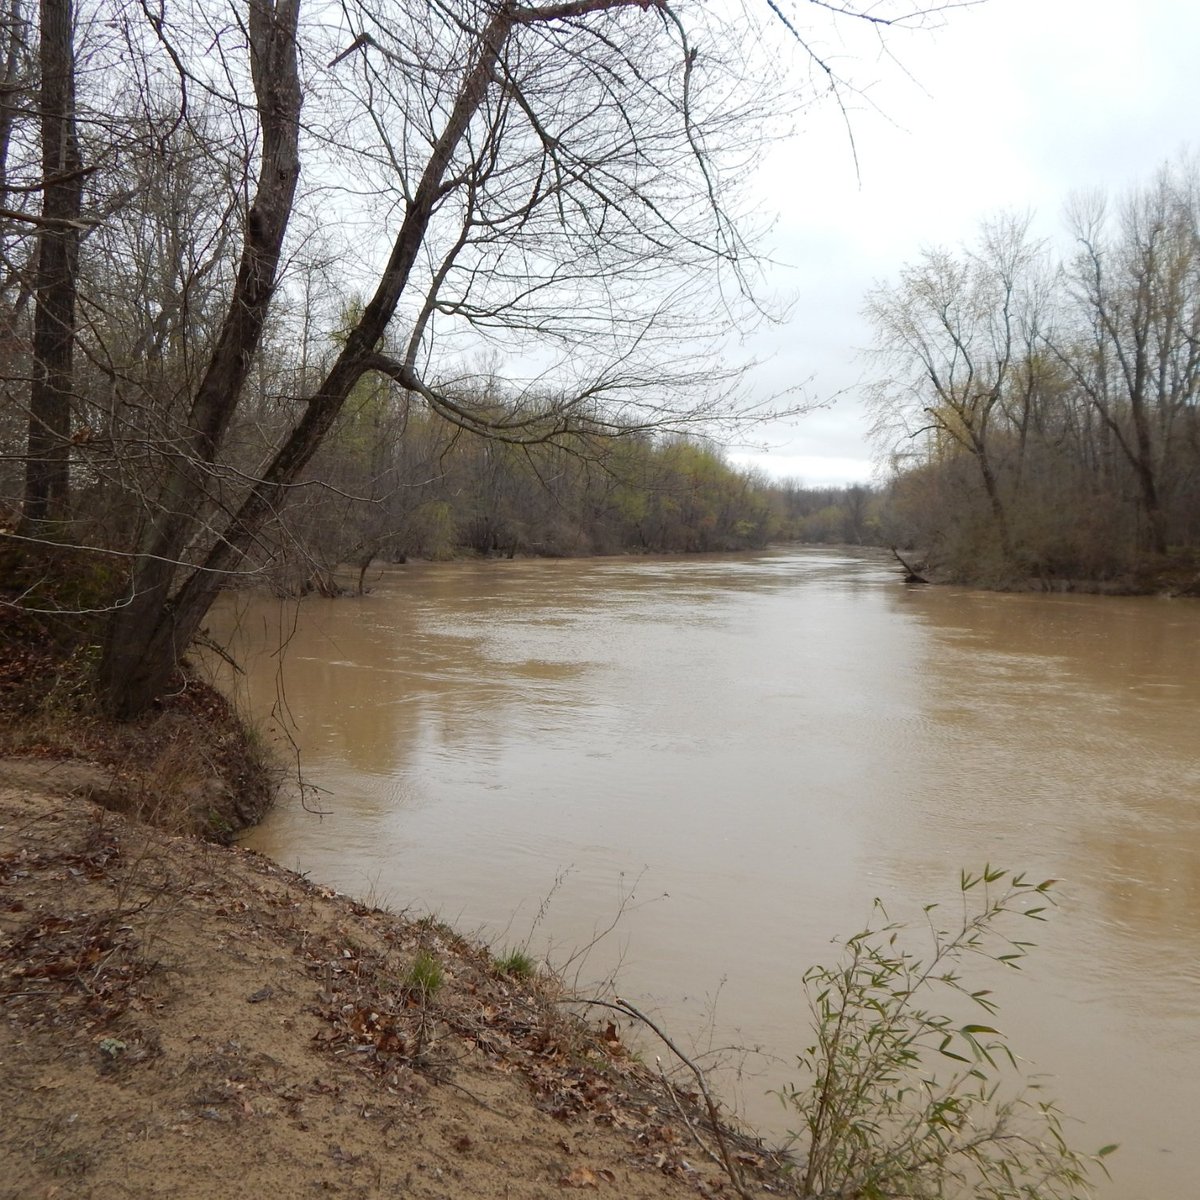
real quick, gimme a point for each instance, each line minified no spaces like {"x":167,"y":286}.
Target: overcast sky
{"x":1012,"y":104}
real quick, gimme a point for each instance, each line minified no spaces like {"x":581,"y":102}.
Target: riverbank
{"x":189,"y":765}
{"x":1175,"y":575}
{"x":183,"y":1017}
{"x":192,"y":1020}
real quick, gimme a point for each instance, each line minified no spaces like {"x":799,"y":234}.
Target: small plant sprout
{"x":902,"y":1099}
{"x":112,"y":1048}
{"x":517,"y":963}
{"x":424,"y":977}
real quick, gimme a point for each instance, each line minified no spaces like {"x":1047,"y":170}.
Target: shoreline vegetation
{"x":1170,"y":576}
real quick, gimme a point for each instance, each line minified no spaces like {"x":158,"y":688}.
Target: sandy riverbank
{"x":188,"y":1020}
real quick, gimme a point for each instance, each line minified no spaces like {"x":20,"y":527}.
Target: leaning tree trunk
{"x":154,"y":630}
{"x":145,"y":639}
{"x":992,"y":487}
{"x":47,"y":466}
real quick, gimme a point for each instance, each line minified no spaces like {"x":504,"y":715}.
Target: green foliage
{"x":906,"y":1100}
{"x":404,"y":485}
{"x":516,"y":963}
{"x":424,"y":977}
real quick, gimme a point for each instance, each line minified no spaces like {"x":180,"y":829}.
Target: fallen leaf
{"x":580,"y":1177}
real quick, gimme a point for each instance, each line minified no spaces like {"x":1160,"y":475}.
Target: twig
{"x":714,"y":1117}
{"x":203,"y":638}
{"x":685,"y":1118}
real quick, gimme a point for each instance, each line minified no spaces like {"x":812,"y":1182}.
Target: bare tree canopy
{"x":1045,"y":415}
{"x":553,"y":190}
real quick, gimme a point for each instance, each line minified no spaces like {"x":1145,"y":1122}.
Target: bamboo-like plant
{"x":905,"y":1100}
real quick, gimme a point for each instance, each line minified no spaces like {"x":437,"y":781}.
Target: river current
{"x":732,"y":757}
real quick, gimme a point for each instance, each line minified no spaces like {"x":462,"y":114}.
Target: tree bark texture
{"x":147,"y":636}
{"x":47,"y":467}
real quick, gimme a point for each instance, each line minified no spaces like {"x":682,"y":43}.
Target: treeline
{"x":1041,"y":408}
{"x":396,"y":481}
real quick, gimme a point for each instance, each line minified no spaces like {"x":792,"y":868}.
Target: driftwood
{"x":911,"y":574}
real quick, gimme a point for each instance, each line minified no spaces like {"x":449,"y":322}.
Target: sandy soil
{"x":185,"y":1020}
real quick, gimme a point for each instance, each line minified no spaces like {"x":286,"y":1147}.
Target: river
{"x":734,"y":756}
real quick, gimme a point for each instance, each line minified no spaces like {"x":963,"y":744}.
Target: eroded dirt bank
{"x":182,"y":1019}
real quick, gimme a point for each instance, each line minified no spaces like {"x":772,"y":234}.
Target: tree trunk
{"x":992,"y":487}
{"x":1143,"y":466}
{"x":47,"y":467}
{"x":147,"y":636}
{"x":151,"y":633}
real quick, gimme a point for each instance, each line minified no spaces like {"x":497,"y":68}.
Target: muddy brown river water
{"x":744,"y":752}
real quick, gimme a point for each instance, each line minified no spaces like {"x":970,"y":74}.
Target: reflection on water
{"x":765,"y":744}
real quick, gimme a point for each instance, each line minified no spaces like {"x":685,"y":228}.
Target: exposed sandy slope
{"x":183,"y":1020}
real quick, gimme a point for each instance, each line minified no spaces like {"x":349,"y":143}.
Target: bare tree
{"x":1072,"y":389}
{"x":1134,"y":349}
{"x":957,"y":331}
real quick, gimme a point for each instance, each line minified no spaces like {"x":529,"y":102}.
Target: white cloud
{"x":808,"y":469}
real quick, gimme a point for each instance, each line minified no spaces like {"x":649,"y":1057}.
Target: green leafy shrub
{"x":904,"y":1100}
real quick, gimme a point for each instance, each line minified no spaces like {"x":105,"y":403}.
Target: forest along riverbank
{"x":756,"y":747}
{"x":181,"y":1018}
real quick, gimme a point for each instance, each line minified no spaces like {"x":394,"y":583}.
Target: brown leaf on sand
{"x":580,"y":1177}
{"x":585,"y":1177}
